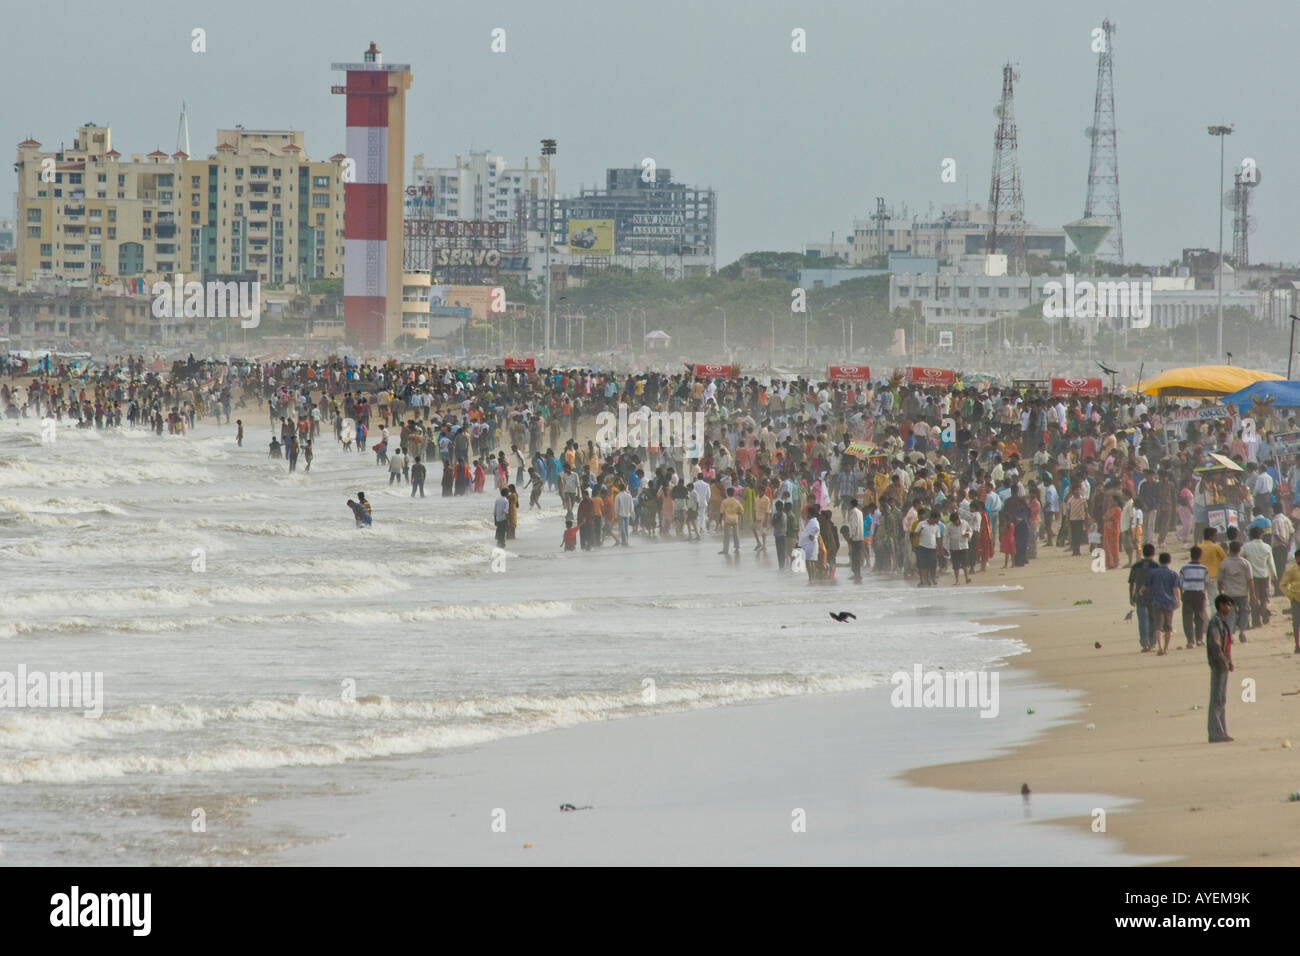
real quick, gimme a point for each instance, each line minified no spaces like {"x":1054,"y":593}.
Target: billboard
{"x":1076,"y":386}
{"x":462,"y":301}
{"x":591,"y":237}
{"x":848,"y":373}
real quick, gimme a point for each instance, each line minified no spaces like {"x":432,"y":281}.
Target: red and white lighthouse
{"x":372,"y":196}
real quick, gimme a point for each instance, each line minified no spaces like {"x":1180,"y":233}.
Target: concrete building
{"x":257,"y":206}
{"x":657,"y":223}
{"x":483,"y":188}
{"x":967,"y":296}
{"x":958,"y":231}
{"x":416,"y":287}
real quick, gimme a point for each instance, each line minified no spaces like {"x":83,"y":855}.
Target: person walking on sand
{"x":1139,"y":595}
{"x":1291,"y":589}
{"x":1166,"y":595}
{"x":1191,"y":581}
{"x":239,"y":432}
{"x":1218,"y":650}
{"x":1235,"y":581}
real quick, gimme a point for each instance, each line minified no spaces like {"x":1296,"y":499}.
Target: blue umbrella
{"x":1280,"y":393}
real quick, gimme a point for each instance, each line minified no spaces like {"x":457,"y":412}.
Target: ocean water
{"x":234,"y":609}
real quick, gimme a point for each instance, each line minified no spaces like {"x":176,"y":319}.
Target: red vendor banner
{"x":931,"y":376}
{"x":513,"y":364}
{"x":848,"y":373}
{"x":1076,"y":386}
{"x":714,"y":371}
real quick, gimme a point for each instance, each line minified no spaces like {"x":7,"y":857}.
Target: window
{"x":984,"y":292}
{"x":121,"y":179}
{"x":148,"y":215}
{"x":320,"y":219}
{"x":1004,"y":292}
{"x":239,"y":172}
{"x":33,"y":215}
{"x":239,"y":190}
{"x":194,"y":182}
{"x":320,"y":199}
{"x":95,"y":230}
{"x":239,"y":209}
{"x":112,"y":232}
{"x":46,"y":250}
{"x":320,"y":182}
{"x":101,"y":178}
{"x":112,"y":215}
{"x":33,"y":232}
{"x":963,"y":292}
{"x":148,"y":233}
{"x":164,"y":196}
{"x":165,"y":180}
{"x":904,"y":291}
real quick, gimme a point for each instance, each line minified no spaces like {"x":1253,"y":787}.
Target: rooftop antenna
{"x":183,"y":130}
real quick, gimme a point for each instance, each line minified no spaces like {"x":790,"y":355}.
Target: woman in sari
{"x":983,"y":535}
{"x":666,"y":505}
{"x":463,"y":478}
{"x":512,"y":518}
{"x":1185,"y":515}
{"x":1110,"y":532}
{"x":1007,"y":537}
{"x":480,"y":476}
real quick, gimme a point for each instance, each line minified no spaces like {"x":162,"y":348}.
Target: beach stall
{"x":1202,"y":381}
{"x":1220,"y":497}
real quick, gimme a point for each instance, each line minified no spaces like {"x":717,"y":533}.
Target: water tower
{"x":1088,"y":234}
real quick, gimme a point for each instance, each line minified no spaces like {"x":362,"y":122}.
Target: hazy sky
{"x":797,"y":144}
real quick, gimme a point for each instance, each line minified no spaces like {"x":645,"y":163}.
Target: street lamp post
{"x":1291,"y":355}
{"x":548,"y":149}
{"x":1221,"y":132}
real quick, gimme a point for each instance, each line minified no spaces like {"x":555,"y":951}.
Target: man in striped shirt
{"x":1192,"y":577}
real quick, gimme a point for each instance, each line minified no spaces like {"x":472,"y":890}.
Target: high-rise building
{"x":483,"y":188}
{"x":652,"y":216}
{"x":257,"y":205}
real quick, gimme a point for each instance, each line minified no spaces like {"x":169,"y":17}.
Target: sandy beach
{"x":1211,"y":805}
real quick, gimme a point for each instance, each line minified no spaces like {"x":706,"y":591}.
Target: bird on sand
{"x":843,"y":616}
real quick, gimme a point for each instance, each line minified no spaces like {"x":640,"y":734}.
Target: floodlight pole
{"x":1291,"y":354}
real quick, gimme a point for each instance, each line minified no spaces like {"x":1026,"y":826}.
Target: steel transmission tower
{"x":1006,"y":200}
{"x":1243,"y":223}
{"x":1103,"y":159}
